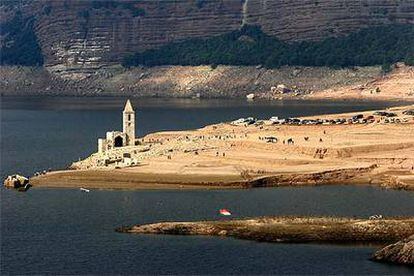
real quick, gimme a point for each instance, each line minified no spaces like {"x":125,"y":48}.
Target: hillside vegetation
{"x":90,"y":34}
{"x":20,"y":45}
{"x":250,"y":46}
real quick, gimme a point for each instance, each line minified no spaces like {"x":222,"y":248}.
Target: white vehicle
{"x":250,"y":96}
{"x":375,"y":217}
{"x":274,"y":119}
{"x":84,"y":190}
{"x":238,"y":121}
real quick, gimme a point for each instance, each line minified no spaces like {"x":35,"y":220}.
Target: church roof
{"x":128,"y":107}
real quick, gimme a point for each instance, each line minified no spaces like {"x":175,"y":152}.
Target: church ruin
{"x":117,"y":139}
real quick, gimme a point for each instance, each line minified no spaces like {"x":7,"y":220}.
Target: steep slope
{"x":95,"y":33}
{"x":318,"y":19}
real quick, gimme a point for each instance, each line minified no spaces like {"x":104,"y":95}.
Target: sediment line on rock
{"x":288,"y":229}
{"x":401,"y":252}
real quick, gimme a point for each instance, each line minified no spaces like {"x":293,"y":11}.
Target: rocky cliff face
{"x":94,"y":33}
{"x":318,"y":19}
{"x":87,"y":34}
{"x":401,"y":252}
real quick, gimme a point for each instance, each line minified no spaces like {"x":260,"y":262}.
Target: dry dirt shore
{"x":223,"y":82}
{"x":289,"y":229}
{"x":230,"y":156}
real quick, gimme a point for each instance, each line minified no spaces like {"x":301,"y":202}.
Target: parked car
{"x":356,"y":117}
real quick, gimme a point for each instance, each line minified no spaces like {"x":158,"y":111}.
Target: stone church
{"x":117,"y":139}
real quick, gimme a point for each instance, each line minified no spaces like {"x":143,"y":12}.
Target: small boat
{"x":224,"y":212}
{"x":84,"y":190}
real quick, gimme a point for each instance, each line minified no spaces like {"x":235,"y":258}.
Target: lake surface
{"x":52,"y":231}
{"x":64,"y":231}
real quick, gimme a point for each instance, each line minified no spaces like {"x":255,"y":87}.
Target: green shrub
{"x":386,"y":68}
{"x":47,"y":10}
{"x":138,"y":12}
{"x":111,"y":5}
{"x":85,"y":14}
{"x":409,"y":60}
{"x":200,"y":3}
{"x":371,"y":46}
{"x":20,"y":45}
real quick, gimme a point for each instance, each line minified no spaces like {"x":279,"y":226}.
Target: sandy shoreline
{"x":118,"y":179}
{"x":235,"y":156}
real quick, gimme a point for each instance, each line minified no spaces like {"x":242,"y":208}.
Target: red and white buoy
{"x":224,"y":212}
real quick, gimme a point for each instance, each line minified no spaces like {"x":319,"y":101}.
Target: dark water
{"x":64,"y":231}
{"x":69,"y":232}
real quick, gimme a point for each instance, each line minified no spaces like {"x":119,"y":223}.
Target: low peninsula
{"x":371,"y":147}
{"x":289,"y":229}
{"x":376,"y":231}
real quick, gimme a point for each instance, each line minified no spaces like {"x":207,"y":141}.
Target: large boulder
{"x":16,"y":181}
{"x":401,"y":252}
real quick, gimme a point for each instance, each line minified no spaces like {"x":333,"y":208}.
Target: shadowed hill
{"x":92,"y":34}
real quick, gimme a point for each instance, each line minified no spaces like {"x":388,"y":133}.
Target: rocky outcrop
{"x":287,"y":229}
{"x":91,"y":34}
{"x":18,"y":182}
{"x":316,"y":20}
{"x":15,"y":181}
{"x":401,"y":252}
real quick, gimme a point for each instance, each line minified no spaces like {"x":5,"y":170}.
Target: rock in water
{"x":16,"y":181}
{"x":401,"y":252}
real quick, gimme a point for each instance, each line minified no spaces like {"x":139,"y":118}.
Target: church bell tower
{"x":129,"y":124}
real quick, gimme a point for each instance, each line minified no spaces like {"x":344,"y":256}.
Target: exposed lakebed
{"x":68,"y":232}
